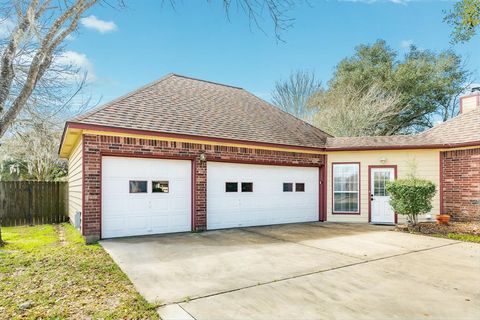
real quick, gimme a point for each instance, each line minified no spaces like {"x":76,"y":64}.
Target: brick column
{"x":92,"y":162}
{"x":200,"y":195}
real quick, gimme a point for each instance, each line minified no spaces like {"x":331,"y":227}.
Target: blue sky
{"x":124,"y":49}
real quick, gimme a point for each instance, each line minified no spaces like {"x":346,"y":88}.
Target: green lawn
{"x":60,"y":277}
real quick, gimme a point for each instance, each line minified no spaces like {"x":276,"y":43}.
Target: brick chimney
{"x":470,"y":101}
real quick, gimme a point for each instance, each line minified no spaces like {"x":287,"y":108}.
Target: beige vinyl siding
{"x":427,"y":163}
{"x":75,"y":176}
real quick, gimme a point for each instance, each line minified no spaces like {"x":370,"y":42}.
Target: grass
{"x":51,"y":268}
{"x":464,"y":237}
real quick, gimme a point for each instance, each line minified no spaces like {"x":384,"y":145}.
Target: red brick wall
{"x":95,"y":146}
{"x":461,"y":184}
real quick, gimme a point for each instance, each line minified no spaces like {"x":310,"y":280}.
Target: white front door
{"x":381,"y":210}
{"x":145,"y":196}
{"x":240,"y":195}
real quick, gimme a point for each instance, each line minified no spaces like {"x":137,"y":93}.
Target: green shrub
{"x":411,"y":197}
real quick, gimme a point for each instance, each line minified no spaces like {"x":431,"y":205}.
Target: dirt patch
{"x":61,"y":234}
{"x":472,"y":228}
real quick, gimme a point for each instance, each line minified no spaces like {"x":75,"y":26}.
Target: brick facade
{"x":461,"y":184}
{"x":94,"y":146}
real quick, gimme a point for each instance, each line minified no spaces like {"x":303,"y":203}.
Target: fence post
{"x":30,"y":218}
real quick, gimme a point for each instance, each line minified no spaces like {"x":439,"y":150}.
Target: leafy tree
{"x":293,"y":94}
{"x":465,"y":19}
{"x":411,"y":197}
{"x":427,"y":84}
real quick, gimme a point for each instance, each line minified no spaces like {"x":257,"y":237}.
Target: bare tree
{"x":40,"y":28}
{"x":293,"y":94}
{"x":276,"y":9}
{"x":31,"y":153}
{"x":353,"y":113}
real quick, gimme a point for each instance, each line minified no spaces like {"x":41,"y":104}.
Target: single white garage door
{"x":145,"y":196}
{"x":252,"y":195}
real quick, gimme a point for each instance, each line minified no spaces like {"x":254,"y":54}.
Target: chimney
{"x":470,"y":101}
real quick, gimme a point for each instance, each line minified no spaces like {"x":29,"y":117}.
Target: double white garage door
{"x":151,"y":196}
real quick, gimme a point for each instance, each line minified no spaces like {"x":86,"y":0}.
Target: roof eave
{"x":104,"y":128}
{"x":404,"y":147}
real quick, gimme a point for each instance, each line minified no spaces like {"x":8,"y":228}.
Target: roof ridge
{"x":129,"y":94}
{"x":289,"y":114}
{"x":207,"y":81}
{"x":377,"y":136}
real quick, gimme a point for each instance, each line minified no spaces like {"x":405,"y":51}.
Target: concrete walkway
{"x":303,"y":271}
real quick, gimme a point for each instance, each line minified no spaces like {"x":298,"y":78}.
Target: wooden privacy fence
{"x":33,"y":202}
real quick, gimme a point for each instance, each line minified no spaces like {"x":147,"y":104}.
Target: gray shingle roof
{"x":463,"y":129}
{"x":181,"y":105}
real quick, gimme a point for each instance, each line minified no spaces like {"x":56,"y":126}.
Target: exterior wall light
{"x":203,"y":157}
{"x":383,"y":160}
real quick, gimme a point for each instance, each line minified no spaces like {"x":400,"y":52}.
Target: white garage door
{"x":252,"y":195}
{"x":145,"y":196}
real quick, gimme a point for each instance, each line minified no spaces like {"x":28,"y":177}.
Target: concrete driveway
{"x":303,"y":271}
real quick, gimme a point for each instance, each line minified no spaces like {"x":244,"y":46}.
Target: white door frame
{"x":370,"y":189}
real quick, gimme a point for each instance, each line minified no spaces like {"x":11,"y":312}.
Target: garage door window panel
{"x":138,"y":186}
{"x":160,"y":187}
{"x":247,"y":186}
{"x":346,"y":188}
{"x":231,"y":186}
{"x":287,"y":187}
{"x":299,"y":187}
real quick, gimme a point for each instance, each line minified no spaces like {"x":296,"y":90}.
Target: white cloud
{"x":405,"y":44}
{"x":6,"y":26}
{"x":99,"y":25}
{"x":79,"y":61}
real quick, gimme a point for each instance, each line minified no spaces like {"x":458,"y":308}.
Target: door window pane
{"x":380,"y":182}
{"x":231,"y":186}
{"x":160,"y":186}
{"x":137,"y":186}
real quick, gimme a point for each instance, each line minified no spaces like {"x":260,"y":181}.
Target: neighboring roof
{"x":181,"y":105}
{"x":463,"y":130}
{"x":373,"y":142}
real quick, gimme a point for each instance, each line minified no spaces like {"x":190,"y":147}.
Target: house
{"x":183,"y":154}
